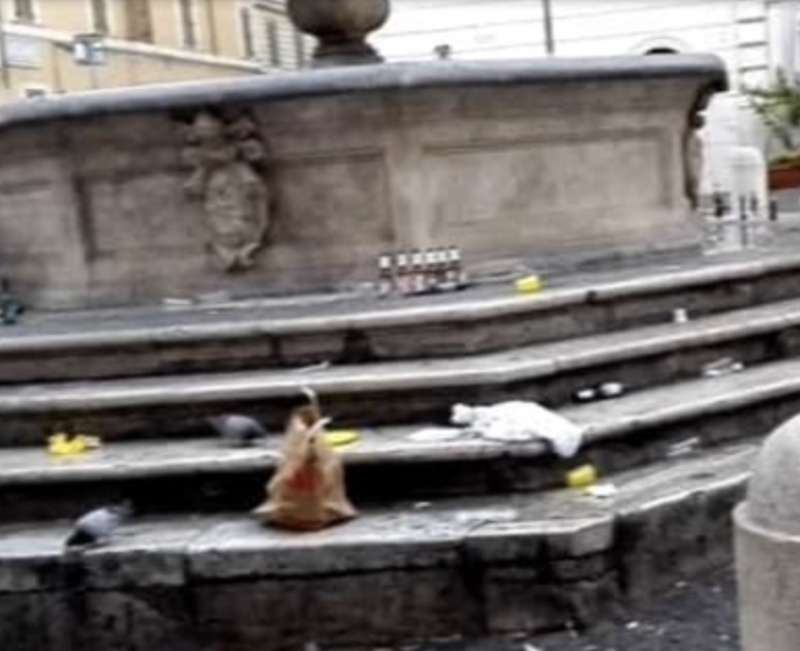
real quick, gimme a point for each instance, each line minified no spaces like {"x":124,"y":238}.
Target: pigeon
{"x":97,"y":527}
{"x":237,"y":430}
{"x":10,"y":307}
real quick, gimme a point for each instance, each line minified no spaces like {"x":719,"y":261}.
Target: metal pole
{"x":4,"y":51}
{"x":549,"y":41}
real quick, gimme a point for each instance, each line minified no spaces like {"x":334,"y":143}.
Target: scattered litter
{"x":632,"y":626}
{"x":530,"y":647}
{"x":722,"y":366}
{"x":177,"y":302}
{"x":528,"y":285}
{"x":66,"y":445}
{"x":486,"y":515}
{"x":321,"y":366}
{"x":518,"y":421}
{"x":339,"y":438}
{"x":603,"y":391}
{"x":585,"y":395}
{"x":214,"y":297}
{"x":680,"y":315}
{"x":582,"y":476}
{"x":307,"y":490}
{"x":435,"y":434}
{"x":602,"y":491}
{"x":418,"y":271}
{"x":420,"y":506}
{"x":683,"y":447}
{"x":611,"y":389}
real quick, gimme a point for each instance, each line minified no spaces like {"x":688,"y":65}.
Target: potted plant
{"x":779,"y":108}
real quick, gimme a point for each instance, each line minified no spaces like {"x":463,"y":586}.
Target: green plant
{"x":778,"y":106}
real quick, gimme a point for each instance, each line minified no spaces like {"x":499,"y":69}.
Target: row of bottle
{"x":748,"y":206}
{"x":420,"y":272}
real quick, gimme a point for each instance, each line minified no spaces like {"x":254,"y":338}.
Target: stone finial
{"x":341,"y":27}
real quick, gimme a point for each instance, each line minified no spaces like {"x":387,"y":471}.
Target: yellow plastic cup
{"x":582,"y":476}
{"x":528,"y":285}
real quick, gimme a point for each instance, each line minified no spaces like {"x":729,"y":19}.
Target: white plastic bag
{"x":520,"y":421}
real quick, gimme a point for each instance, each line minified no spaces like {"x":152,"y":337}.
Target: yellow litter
{"x":582,"y":477}
{"x":528,"y":285}
{"x":338,"y":438}
{"x":63,"y":445}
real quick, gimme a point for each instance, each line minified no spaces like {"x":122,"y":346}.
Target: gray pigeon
{"x":97,"y":527}
{"x":237,"y":430}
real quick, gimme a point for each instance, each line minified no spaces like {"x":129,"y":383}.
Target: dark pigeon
{"x":237,"y":430}
{"x":97,"y":527}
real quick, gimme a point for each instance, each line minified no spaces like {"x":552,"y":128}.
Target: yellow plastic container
{"x":528,"y":285}
{"x":338,"y":438}
{"x":582,"y":476}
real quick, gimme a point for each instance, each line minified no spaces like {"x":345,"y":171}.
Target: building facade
{"x":754,"y":37}
{"x":140,"y":42}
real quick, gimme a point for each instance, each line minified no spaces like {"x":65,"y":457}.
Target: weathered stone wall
{"x":551,"y":161}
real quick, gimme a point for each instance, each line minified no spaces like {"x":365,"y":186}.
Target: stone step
{"x":458,"y":567}
{"x":254,"y":335}
{"x":403,"y":392}
{"x":203,"y":475}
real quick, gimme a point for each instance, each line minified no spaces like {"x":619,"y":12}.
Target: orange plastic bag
{"x":307,"y":491}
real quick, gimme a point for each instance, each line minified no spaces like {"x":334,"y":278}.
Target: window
{"x":100,"y":16}
{"x":273,"y":43}
{"x":247,"y":33}
{"x":188,"y":25}
{"x":661,"y":50}
{"x":299,"y":49}
{"x":139,"y":24}
{"x":35,"y":92}
{"x":23,"y":11}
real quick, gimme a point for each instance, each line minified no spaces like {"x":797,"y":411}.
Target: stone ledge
{"x":193,"y":326}
{"x":707,"y":69}
{"x":525,"y":363}
{"x":225,"y":581}
{"x":521,"y":529}
{"x":621,"y":418}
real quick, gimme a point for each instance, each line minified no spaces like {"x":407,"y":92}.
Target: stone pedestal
{"x":768,"y":546}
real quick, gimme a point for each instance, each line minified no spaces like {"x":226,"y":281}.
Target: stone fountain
{"x":297,"y":182}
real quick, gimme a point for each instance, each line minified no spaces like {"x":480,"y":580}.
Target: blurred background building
{"x":756,"y":38}
{"x":57,"y":46}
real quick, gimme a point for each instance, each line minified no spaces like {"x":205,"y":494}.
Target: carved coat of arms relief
{"x":226,"y":157}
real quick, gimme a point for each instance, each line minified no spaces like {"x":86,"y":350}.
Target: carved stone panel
{"x":546,"y":192}
{"x":227,"y":156}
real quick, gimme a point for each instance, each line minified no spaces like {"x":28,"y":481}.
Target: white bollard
{"x":767,"y":541}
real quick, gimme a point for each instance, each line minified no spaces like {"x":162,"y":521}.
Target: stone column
{"x":768,"y":546}
{"x":341,"y":28}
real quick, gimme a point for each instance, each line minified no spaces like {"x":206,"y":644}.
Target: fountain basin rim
{"x":708,"y":68}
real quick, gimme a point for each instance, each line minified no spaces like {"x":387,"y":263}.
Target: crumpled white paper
{"x":518,"y":421}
